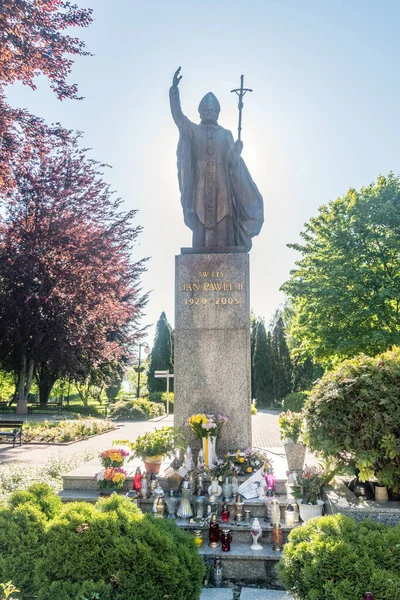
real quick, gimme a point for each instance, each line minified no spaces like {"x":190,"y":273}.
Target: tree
{"x":33,"y":42}
{"x":281,"y":364}
{"x":161,"y":355}
{"x":346,"y":287}
{"x":304,"y":371}
{"x":69,"y":293}
{"x":262,"y":366}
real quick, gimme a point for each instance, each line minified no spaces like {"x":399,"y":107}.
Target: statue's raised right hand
{"x":177,"y":78}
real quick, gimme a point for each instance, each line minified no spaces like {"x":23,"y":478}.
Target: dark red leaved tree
{"x":69,"y":294}
{"x":33,"y":42}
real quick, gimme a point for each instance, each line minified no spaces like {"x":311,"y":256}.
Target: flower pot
{"x":309,"y":511}
{"x":105,"y":492}
{"x":381,"y":494}
{"x":295,"y":455}
{"x":152,"y":464}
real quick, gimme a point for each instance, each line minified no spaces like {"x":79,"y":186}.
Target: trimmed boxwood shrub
{"x":109,"y":551}
{"x":136,"y":410}
{"x":353,"y":416}
{"x":334,"y":558}
{"x":294,"y":401}
{"x":162,"y":397}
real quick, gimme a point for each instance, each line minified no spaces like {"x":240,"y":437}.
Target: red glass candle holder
{"x":225,"y":514}
{"x":137,"y":481}
{"x":214,"y":532}
{"x":226,"y":540}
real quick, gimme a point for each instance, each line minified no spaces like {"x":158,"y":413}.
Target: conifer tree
{"x":262,"y":366}
{"x":161,"y":355}
{"x":280,"y":359}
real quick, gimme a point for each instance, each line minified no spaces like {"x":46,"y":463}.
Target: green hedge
{"x":334,"y":558}
{"x":136,"y":410}
{"x":353,"y":416}
{"x":294,"y":401}
{"x":109,"y":551}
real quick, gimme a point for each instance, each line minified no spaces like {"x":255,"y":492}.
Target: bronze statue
{"x":221,"y":203}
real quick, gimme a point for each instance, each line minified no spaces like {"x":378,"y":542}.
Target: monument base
{"x":212,"y":342}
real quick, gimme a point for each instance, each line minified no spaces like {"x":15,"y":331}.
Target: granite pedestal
{"x":212,"y":342}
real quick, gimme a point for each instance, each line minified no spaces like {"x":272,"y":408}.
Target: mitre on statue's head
{"x":210,"y":101}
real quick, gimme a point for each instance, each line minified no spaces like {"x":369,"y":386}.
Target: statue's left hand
{"x":238,"y":147}
{"x":176,"y":78}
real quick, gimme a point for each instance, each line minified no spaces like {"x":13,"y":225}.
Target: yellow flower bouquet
{"x":114,"y":457}
{"x":111,"y":478}
{"x":204,"y":425}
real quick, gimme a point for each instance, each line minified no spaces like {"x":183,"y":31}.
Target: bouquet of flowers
{"x":114,"y":457}
{"x":245,"y":462}
{"x":204,"y":425}
{"x":221,"y":469}
{"x":111,"y":478}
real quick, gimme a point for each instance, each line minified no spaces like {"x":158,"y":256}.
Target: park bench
{"x":11,"y":430}
{"x":5,"y":407}
{"x":50,"y":406}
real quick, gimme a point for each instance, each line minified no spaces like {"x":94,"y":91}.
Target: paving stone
{"x":254,"y":594}
{"x":216,"y":594}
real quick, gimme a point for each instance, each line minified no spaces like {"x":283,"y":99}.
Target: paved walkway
{"x":265,"y":436}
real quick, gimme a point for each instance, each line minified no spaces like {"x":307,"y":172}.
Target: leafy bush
{"x":155,"y":443}
{"x":353,"y":416}
{"x":334,"y":558}
{"x":64,"y":431}
{"x":294,"y":401}
{"x":136,"y":410}
{"x":290,"y":425}
{"x":254,"y":407}
{"x":109,"y":551}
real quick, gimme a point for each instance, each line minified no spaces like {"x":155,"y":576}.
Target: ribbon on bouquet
{"x":207,"y":450}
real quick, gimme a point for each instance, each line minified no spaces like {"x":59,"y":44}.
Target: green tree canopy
{"x":161,"y":355}
{"x":346,"y":287}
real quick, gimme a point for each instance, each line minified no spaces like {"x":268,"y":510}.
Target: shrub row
{"x":109,"y":551}
{"x":334,"y":558}
{"x":136,"y":410}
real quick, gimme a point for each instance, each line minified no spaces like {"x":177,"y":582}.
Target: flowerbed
{"x":64,"y":431}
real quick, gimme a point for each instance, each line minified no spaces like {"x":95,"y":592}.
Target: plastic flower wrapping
{"x":111,"y":477}
{"x":204,"y":425}
{"x":114,"y":457}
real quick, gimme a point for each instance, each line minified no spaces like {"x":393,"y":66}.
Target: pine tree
{"x":262,"y":390}
{"x":280,"y":360}
{"x":253,"y":331}
{"x":161,"y":355}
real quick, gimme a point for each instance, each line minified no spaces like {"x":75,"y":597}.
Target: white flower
{"x":100,"y":476}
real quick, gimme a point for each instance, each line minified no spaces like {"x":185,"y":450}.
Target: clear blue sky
{"x":323,"y":117}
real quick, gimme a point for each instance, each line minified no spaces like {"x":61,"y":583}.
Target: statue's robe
{"x":217,"y":191}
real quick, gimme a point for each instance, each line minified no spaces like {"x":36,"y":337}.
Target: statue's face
{"x":209,"y":115}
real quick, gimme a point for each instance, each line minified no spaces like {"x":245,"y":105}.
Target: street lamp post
{"x":139,"y":369}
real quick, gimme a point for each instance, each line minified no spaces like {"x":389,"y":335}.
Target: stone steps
{"x":246,"y":594}
{"x":257,"y":594}
{"x":241,"y":565}
{"x":240,"y":533}
{"x":244,"y":564}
